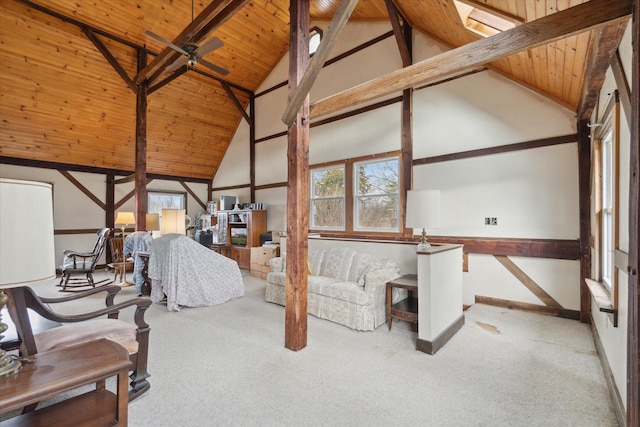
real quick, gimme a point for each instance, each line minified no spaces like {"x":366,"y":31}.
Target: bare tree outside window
{"x":327,"y":198}
{"x":377,"y":197}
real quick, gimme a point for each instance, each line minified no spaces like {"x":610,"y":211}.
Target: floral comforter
{"x":190,"y":274}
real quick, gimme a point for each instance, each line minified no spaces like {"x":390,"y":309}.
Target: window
{"x":606,"y":249}
{"x":606,"y":190}
{"x":327,"y":198}
{"x":377,"y":196}
{"x":484,"y":20}
{"x":356,"y":195}
{"x":315,"y":35}
{"x":158,"y":200}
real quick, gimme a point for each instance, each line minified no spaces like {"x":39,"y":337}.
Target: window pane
{"x":327,"y":183}
{"x":327,"y":213}
{"x":377,"y":200}
{"x":157,"y":201}
{"x":327,"y":198}
{"x":378,"y":177}
{"x":378,"y":213}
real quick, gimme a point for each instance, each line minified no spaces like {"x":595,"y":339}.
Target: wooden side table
{"x":58,"y":371}
{"x":406,"y":309}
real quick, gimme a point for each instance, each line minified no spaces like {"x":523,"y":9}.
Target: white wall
{"x":533,"y":193}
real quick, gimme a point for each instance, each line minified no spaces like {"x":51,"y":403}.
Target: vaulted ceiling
{"x":66,"y":83}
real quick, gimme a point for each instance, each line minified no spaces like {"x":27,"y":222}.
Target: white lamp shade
{"x":153,"y":221}
{"x":173,"y":221}
{"x":125,"y":218}
{"x":423,"y":209}
{"x":27,"y":250}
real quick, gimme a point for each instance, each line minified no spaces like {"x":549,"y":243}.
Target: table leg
{"x":389,"y":302}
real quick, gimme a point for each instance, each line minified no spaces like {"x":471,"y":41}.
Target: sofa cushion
{"x":124,"y":333}
{"x":315,"y":261}
{"x":337,"y":263}
{"x":339,"y":289}
{"x":360,"y":265}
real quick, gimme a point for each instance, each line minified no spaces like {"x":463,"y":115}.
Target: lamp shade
{"x":173,"y":221}
{"x":125,"y":218}
{"x":423,"y":209}
{"x":153,"y":221}
{"x":27,"y":251}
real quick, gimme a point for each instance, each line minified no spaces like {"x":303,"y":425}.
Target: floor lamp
{"x":125,"y":219}
{"x":423,"y":211}
{"x":27,"y":251}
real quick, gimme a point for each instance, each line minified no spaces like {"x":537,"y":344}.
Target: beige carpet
{"x":227,"y":366}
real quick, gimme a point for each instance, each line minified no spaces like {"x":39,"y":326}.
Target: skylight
{"x":315,"y":35}
{"x":484,"y":20}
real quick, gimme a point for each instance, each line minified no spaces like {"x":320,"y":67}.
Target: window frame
{"x":606,"y":202}
{"x":356,"y":196}
{"x":150,"y":193}
{"x":350,"y":195}
{"x":313,"y":199}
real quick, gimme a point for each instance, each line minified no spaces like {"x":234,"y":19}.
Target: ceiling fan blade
{"x":180,"y":62}
{"x":218,"y":69}
{"x":167,"y":42}
{"x":209,"y":46}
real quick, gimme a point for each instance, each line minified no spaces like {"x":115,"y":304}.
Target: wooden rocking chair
{"x":83,"y":263}
{"x":79,"y":328}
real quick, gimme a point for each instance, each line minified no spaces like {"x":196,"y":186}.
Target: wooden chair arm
{"x":36,"y":304}
{"x":111,"y":290}
{"x":73,"y":254}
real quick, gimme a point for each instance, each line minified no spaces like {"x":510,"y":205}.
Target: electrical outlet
{"x":494,"y":221}
{"x":491,"y":221}
{"x":487,"y":221}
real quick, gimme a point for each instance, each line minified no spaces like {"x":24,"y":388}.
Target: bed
{"x":191,"y":275}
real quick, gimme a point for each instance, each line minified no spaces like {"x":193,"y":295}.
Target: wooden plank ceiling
{"x":62,"y":101}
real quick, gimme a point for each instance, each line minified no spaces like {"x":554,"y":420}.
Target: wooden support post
{"x":109,"y":202}
{"x":633,"y":323}
{"x":584,"y":206}
{"x":141,"y":146}
{"x":252,"y":148}
{"x":298,"y":188}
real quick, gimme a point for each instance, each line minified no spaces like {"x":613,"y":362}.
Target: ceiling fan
{"x":192,"y":53}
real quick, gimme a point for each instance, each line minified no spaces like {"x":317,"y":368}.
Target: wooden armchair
{"x":77,"y":328}
{"x":83,"y":263}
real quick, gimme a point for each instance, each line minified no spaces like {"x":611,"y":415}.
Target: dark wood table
{"x":406,"y":309}
{"x":58,"y":371}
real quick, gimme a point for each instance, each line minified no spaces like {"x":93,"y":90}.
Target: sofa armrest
{"x":277,"y":264}
{"x":374,"y":279}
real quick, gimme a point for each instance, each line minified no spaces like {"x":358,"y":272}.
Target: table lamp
{"x":173,"y":221}
{"x":124,"y":218}
{"x":153,"y":222}
{"x":423,"y":211}
{"x":27,"y":250}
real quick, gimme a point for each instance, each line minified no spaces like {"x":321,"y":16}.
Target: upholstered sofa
{"x":344,"y":286}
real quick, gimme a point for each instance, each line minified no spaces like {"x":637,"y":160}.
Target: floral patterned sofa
{"x":344,"y":286}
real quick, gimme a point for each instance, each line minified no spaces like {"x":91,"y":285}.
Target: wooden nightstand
{"x":406,"y":309}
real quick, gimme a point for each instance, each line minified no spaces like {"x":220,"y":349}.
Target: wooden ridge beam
{"x":303,"y":88}
{"x":568,"y":22}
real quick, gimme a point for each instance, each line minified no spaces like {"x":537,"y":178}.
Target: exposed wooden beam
{"x":622,"y":84}
{"x":336,"y":26}
{"x":124,"y":200}
{"x":217,"y":10}
{"x":584,"y":210}
{"x":527,"y":281}
{"x":606,"y":42}
{"x":194,"y":195}
{"x":545,"y":142}
{"x":141,"y":147}
{"x":128,"y":178}
{"x":398,"y":23}
{"x":562,"y":24}
{"x":235,"y":101}
{"x":167,"y":80}
{"x":84,"y":189}
{"x":298,"y":190}
{"x":252,"y":148}
{"x":110,"y":58}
